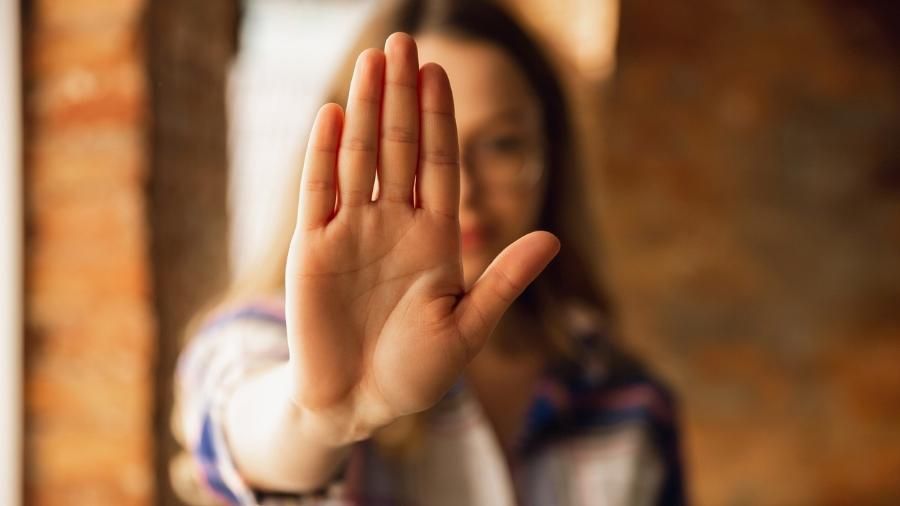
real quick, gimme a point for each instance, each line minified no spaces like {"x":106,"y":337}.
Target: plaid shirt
{"x":592,"y":438}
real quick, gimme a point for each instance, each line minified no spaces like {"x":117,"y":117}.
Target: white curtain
{"x":289,"y":51}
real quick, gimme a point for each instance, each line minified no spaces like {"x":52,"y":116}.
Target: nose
{"x":466,"y":186}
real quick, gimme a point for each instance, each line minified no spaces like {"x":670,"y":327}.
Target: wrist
{"x":339,"y":425}
{"x":271,"y":441}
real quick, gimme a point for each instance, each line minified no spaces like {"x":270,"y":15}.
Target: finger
{"x":399,"y":151}
{"x":504,"y":280}
{"x":317,"y":183}
{"x":438,"y":177}
{"x":359,"y":140}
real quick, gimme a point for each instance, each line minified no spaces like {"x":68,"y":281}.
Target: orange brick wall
{"x":89,"y":322}
{"x":751,"y":198}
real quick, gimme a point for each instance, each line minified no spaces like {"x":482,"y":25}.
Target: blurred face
{"x":501,"y":146}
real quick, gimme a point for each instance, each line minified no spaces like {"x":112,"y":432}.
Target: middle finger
{"x":399,"y":150}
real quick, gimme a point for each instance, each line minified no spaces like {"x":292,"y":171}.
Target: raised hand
{"x":379,"y":320}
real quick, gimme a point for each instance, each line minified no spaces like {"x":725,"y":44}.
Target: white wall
{"x":289,"y":51}
{"x":10,"y":257}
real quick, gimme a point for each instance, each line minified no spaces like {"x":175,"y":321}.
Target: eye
{"x":506,"y":144}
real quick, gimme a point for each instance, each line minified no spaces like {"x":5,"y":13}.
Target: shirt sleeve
{"x":227,"y":349}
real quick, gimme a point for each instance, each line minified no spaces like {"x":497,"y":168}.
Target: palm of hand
{"x":379,"y":321}
{"x":379,"y":293}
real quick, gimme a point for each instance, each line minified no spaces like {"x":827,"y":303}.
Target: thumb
{"x":506,"y":278}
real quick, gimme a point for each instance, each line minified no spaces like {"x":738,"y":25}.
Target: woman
{"x":390,"y":358}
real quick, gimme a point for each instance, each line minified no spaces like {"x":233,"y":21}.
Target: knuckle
{"x":393,"y":191}
{"x":408,"y":84}
{"x":446,"y":215}
{"x":354,"y":197}
{"x":441,"y":156}
{"x":318,"y":185}
{"x":401,"y":134}
{"x":394,"y":199}
{"x":368,"y":99}
{"x":358,"y":143}
{"x":322,"y":148}
{"x":504,"y":287}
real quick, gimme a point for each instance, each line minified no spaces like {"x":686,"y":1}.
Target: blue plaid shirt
{"x":593,"y":435}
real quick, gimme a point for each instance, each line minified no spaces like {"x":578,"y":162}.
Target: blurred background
{"x":746,"y":161}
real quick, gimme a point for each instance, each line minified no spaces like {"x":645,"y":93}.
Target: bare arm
{"x":272,"y":445}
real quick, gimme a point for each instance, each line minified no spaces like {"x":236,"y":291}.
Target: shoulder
{"x":232,"y":336}
{"x":603,"y":376}
{"x":619,"y":425}
{"x":600,"y":385}
{"x":256,"y":309}
{"x":605,"y":397}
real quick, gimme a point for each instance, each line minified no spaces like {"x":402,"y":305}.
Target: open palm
{"x":380,"y":324}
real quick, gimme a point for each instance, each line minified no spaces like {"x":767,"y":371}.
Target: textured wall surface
{"x":751,"y":201}
{"x":89,"y":322}
{"x":191,"y":45}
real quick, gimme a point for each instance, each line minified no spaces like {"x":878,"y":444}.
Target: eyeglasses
{"x":504,"y":162}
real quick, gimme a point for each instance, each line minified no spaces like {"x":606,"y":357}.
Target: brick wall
{"x":190,"y":49}
{"x":89,"y":324}
{"x":751,"y":200}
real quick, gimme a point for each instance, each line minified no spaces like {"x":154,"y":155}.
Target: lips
{"x":473,"y":238}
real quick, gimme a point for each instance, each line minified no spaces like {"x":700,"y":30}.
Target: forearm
{"x":273,"y":446}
